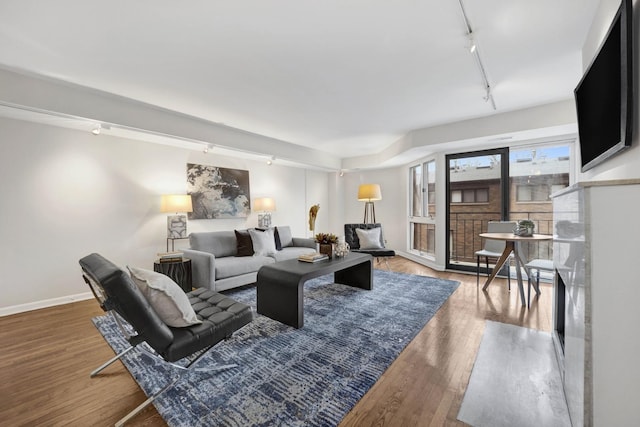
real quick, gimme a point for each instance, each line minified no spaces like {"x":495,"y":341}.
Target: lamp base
{"x":369,"y":213}
{"x":177,"y":226}
{"x":264,"y":220}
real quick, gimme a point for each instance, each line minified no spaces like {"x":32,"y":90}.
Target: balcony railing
{"x":465,"y":229}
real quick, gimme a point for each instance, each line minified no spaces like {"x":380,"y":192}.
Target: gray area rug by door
{"x":515,"y":381}
{"x":295,"y":377}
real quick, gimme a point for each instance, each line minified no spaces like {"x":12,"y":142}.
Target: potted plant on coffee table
{"x":325,"y":243}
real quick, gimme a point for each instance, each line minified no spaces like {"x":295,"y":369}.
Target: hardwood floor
{"x":47,"y":355}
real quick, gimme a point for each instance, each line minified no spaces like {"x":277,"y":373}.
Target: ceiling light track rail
{"x":473,"y":49}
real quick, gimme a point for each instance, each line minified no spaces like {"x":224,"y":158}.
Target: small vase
{"x":341,"y":249}
{"x":326,"y":248}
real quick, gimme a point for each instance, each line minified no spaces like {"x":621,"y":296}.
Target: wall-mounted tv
{"x":604,"y":96}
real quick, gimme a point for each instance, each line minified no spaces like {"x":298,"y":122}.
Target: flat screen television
{"x":604,"y":96}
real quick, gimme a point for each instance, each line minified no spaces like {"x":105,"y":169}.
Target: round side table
{"x":179,"y":271}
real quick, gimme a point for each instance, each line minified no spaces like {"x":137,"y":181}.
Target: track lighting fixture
{"x":487,"y":97}
{"x":472,"y":43}
{"x":341,"y":173}
{"x":473,"y":49}
{"x":207,"y":148}
{"x":96,"y":129}
{"x":271,"y":160}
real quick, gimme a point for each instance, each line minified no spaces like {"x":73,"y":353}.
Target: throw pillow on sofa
{"x":283,"y":237}
{"x":244,"y":243}
{"x":369,"y":239}
{"x":165,"y":296}
{"x":263,"y":242}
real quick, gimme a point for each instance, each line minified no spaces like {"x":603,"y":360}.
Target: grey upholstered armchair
{"x":368,"y":239}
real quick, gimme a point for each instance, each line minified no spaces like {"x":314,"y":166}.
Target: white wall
{"x":614,"y":340}
{"x":67,"y":193}
{"x":391,"y":211}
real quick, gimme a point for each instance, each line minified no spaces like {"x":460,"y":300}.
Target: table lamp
{"x":176,"y":224}
{"x":368,"y":193}
{"x":264,"y":205}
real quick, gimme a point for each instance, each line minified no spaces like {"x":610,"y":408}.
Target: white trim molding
{"x":36,"y":305}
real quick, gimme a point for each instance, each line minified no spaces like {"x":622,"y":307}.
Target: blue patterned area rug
{"x":296,"y":377}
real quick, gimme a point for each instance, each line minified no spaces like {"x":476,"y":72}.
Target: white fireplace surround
{"x":595,"y":252}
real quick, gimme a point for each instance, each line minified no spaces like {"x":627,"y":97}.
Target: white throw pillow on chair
{"x":369,"y":239}
{"x":168,"y":300}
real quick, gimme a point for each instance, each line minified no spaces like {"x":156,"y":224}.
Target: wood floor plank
{"x":47,"y":354}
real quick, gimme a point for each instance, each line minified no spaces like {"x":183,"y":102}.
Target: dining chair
{"x":494,"y":248}
{"x":538,"y":265}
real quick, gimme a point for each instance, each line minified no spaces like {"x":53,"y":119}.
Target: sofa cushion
{"x":218,"y":243}
{"x":235,"y":266}
{"x":244,"y":244}
{"x":369,"y":239}
{"x":263,"y":242}
{"x":165,"y":296}
{"x":284,"y":237}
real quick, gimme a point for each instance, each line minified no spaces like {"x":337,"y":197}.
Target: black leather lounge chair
{"x":376,"y":250}
{"x":120,"y":297}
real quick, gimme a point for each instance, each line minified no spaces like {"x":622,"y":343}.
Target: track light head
{"x":472,"y":43}
{"x":96,"y":129}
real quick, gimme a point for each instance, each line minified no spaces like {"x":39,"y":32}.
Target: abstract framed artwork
{"x":218,"y":192}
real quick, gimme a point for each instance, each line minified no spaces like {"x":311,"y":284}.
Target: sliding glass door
{"x":477,"y":189}
{"x":500,"y":185}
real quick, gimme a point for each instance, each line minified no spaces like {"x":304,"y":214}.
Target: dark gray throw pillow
{"x":276,"y":236}
{"x":284,"y":237}
{"x":244,"y":243}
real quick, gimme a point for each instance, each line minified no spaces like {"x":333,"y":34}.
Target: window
{"x":423,"y":238}
{"x":422,"y":208}
{"x":532,"y":193}
{"x":423,"y":189}
{"x":416,"y":190}
{"x":430,"y":187}
{"x":470,"y":195}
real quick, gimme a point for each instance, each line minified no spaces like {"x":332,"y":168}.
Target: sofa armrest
{"x":303,"y":242}
{"x":202,"y":268}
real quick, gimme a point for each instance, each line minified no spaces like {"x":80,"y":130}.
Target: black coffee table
{"x":280,"y":286}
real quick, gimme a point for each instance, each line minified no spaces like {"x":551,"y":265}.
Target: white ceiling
{"x":345,"y":77}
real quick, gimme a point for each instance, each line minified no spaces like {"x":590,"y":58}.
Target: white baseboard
{"x":20,"y":308}
{"x":421,"y":260}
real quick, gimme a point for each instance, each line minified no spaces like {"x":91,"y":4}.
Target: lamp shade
{"x":264,"y":204}
{"x":369,"y":192}
{"x":176,"y":203}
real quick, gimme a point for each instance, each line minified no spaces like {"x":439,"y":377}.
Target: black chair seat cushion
{"x":220,"y":315}
{"x":376,"y":252}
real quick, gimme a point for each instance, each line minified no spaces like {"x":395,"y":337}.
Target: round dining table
{"x":512,"y":243}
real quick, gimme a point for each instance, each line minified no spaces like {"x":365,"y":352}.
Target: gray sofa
{"x":217,"y":264}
